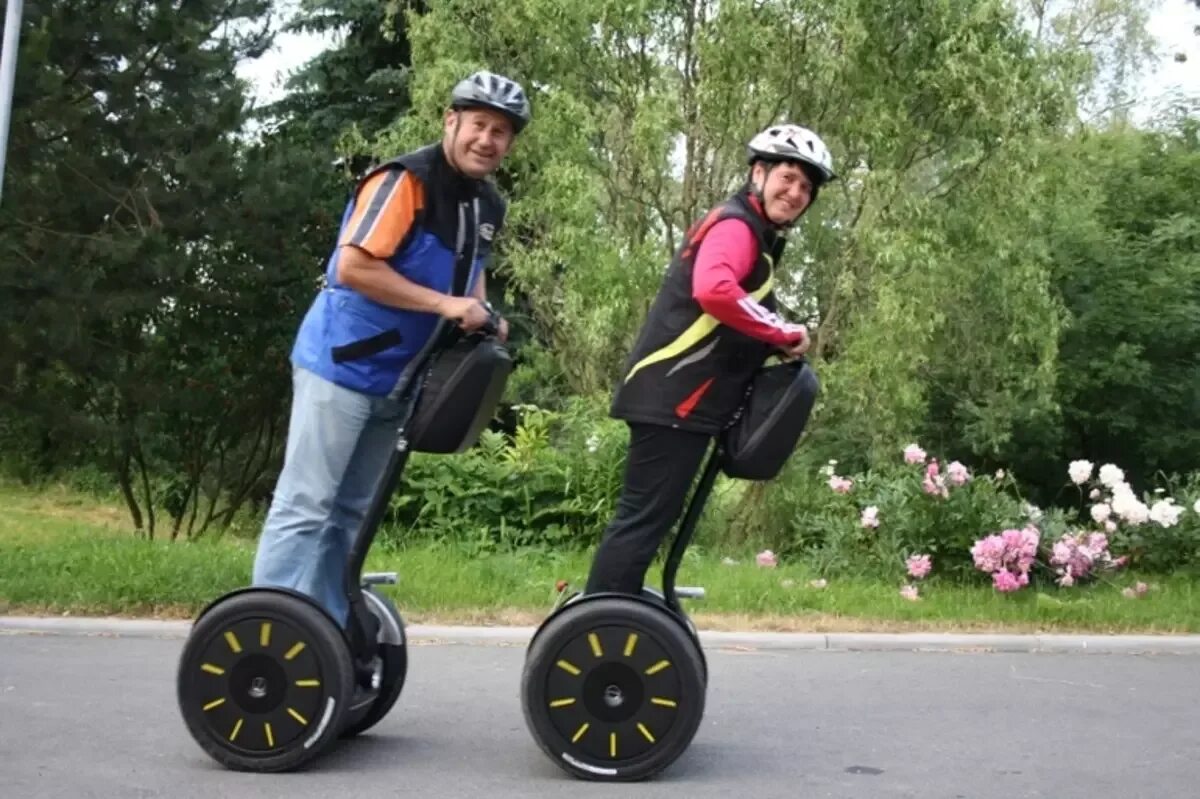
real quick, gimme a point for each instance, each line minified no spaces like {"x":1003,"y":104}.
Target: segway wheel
{"x":613,"y":689}
{"x":264,"y":680}
{"x":393,"y":669}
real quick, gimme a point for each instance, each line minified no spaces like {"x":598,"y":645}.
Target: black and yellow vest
{"x":687,"y":370}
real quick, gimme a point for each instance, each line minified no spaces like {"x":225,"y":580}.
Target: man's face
{"x":477,"y":140}
{"x":786,"y":191}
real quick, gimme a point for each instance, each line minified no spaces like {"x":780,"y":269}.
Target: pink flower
{"x":766,"y":559}
{"x":1005,"y":582}
{"x":870,"y":516}
{"x":1066,"y":581}
{"x":934,"y":484}
{"x":957,"y":473}
{"x":910,"y":593}
{"x":1135,"y":591}
{"x":1120,"y":562}
{"x":914,"y":454}
{"x":919,"y":566}
{"x":840,"y":484}
{"x":988,"y":553}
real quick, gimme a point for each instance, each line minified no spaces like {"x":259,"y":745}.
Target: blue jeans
{"x":338,"y":444}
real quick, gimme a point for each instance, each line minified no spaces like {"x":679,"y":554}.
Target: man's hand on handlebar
{"x":467,"y":312}
{"x":471,"y":314}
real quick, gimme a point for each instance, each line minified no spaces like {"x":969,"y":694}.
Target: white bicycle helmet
{"x":488,"y":90}
{"x":793,"y":143}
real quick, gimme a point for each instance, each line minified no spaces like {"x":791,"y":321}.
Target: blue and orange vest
{"x":363,"y":345}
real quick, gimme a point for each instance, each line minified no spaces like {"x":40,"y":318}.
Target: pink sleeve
{"x":725,"y":258}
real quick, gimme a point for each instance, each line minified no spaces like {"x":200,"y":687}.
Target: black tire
{"x":395,"y":669}
{"x":264,"y":681}
{"x":598,"y":698}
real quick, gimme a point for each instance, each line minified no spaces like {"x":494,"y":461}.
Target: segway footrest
{"x":379,"y":578}
{"x":689,"y":592}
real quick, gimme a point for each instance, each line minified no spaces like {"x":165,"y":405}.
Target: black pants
{"x":660,"y":468}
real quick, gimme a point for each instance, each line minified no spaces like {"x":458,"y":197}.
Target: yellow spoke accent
{"x":659,"y":666}
{"x":308,"y":683}
{"x":594,"y":640}
{"x":211,"y":669}
{"x":295,"y":650}
{"x":297,"y":716}
{"x":236,"y":729}
{"x":215,"y":703}
{"x":612,"y":744}
{"x":562,"y":702}
{"x":234,"y":644}
{"x":579,"y":732}
{"x":264,"y":635}
{"x":630,"y":643}
{"x":270,"y":737}
{"x":570,"y":668}
{"x":658,"y":700}
{"x":645,"y":732}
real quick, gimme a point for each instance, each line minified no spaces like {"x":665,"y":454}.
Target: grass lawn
{"x":63,"y":552}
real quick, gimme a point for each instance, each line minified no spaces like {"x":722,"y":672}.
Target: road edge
{"x":428,"y":634}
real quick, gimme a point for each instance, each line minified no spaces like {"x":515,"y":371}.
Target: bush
{"x":872,"y":522}
{"x":552,"y":483}
{"x":915,"y":516}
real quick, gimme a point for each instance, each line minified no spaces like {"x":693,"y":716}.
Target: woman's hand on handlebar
{"x":799,"y":348}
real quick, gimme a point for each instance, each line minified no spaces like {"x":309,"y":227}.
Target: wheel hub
{"x":613,"y":692}
{"x":258,"y":683}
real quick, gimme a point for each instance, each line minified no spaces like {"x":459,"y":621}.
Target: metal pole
{"x":8,"y":72}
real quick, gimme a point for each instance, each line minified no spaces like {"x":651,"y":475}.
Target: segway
{"x":268,"y":679}
{"x":614,"y":685}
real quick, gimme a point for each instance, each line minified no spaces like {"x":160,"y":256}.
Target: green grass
{"x":61,"y":552}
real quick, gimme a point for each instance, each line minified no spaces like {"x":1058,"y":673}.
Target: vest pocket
{"x":366,"y":347}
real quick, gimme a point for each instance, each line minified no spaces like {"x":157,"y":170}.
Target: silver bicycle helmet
{"x":485,"y":89}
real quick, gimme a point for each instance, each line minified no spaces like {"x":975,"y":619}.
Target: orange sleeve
{"x":384,"y":211}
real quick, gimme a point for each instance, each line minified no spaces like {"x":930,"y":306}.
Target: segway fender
{"x":653,"y":600}
{"x":391,"y":629}
{"x":267,"y":589}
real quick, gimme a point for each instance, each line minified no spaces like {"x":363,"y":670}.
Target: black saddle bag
{"x":461,"y":391}
{"x":767,"y":428}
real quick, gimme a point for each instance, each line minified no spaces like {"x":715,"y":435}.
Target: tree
{"x":121,"y":233}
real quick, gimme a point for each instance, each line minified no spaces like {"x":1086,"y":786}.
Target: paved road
{"x":88,"y":716}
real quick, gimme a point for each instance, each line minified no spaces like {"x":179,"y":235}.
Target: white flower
{"x":1110,"y":475}
{"x":593,"y":443}
{"x":1033,"y":512}
{"x":1101,"y":512}
{"x":1196,"y":507}
{"x":1165,"y":513}
{"x":1095,"y":494}
{"x":1128,"y":506}
{"x":1080,"y":472}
